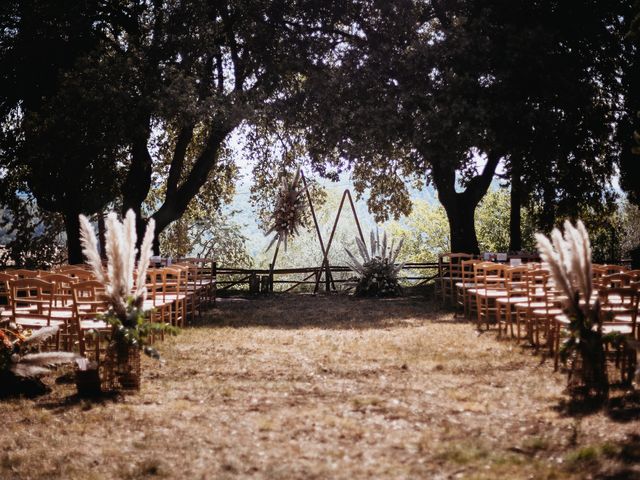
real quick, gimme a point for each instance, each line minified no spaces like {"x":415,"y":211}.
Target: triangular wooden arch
{"x":324,"y":266}
{"x":325,"y":260}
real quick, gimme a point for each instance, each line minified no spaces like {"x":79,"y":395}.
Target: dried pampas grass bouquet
{"x":288,"y":215}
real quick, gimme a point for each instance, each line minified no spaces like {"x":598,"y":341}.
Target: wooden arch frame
{"x":324,"y":266}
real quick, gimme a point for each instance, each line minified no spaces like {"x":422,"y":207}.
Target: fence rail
{"x":264,"y":280}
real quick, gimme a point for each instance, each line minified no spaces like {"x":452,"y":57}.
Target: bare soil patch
{"x":310,"y":387}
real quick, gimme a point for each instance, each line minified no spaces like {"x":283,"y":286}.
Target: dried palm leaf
{"x":40,"y":335}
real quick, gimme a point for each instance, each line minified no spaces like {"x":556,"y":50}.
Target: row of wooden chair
{"x":71,"y":299}
{"x":523,"y":303}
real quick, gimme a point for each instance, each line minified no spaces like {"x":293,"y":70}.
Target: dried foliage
{"x":568,"y":258}
{"x":19,"y":352}
{"x":288,"y":215}
{"x":126,"y":313}
{"x":377,"y":272}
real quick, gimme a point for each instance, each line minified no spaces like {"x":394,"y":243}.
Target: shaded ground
{"x":326,"y":387}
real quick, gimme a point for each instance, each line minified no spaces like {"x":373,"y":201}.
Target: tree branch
{"x":478,"y":185}
{"x":177,"y":162}
{"x":176,"y":204}
{"x":238,"y":69}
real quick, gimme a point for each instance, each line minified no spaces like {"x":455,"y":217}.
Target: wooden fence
{"x":312,"y":278}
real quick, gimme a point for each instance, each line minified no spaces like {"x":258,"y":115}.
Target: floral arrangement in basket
{"x":288,"y":215}
{"x":568,"y":257}
{"x":377,"y":272}
{"x":126,"y":315}
{"x":21,"y":362}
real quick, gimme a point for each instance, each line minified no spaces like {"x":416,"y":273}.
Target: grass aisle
{"x":326,"y":387}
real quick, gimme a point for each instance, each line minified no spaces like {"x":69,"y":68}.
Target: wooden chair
{"x":175,"y":291}
{"x":81,"y":274}
{"x":88,"y":305}
{"x":616,"y":280}
{"x":542,"y":319}
{"x":24,"y":273}
{"x":535,"y":282}
{"x":31,"y":304}
{"x":5,"y":298}
{"x":195,"y":295}
{"x":206,"y":268}
{"x":619,"y":314}
{"x":62,"y":305}
{"x":463,"y":295}
{"x":67,"y":267}
{"x":450,"y":273}
{"x":159,"y":307}
{"x":515,"y":293}
{"x":490,"y":285}
{"x":602,"y":270}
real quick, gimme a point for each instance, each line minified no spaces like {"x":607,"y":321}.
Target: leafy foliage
{"x":422,"y":90}
{"x":32,"y":238}
{"x":207,"y":235}
{"x":195,"y":69}
{"x":426,"y":230}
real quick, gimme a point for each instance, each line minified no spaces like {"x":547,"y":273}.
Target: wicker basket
{"x":121,"y":368}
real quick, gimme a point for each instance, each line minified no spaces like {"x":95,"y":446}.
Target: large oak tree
{"x":192,"y":68}
{"x":444,"y":91}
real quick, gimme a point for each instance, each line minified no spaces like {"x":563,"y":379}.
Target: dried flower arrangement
{"x":288,"y":215}
{"x":568,"y":258}
{"x":131,"y":329}
{"x":21,"y":362}
{"x":377,"y":272}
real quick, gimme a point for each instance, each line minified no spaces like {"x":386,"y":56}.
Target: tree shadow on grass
{"x":621,"y":407}
{"x":294,"y":311}
{"x":626,"y":453}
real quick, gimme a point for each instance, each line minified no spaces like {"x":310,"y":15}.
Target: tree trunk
{"x":177,"y":199}
{"x":138,"y":181}
{"x":461,"y":206}
{"x":460,"y":212}
{"x":515,"y":213}
{"x":547,"y":218}
{"x":72,"y":226}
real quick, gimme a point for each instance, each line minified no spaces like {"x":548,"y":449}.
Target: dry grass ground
{"x":328,"y":387}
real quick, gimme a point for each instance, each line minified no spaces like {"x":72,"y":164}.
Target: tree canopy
{"x":444,"y":91}
{"x":122,"y":71}
{"x":132,"y":104}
